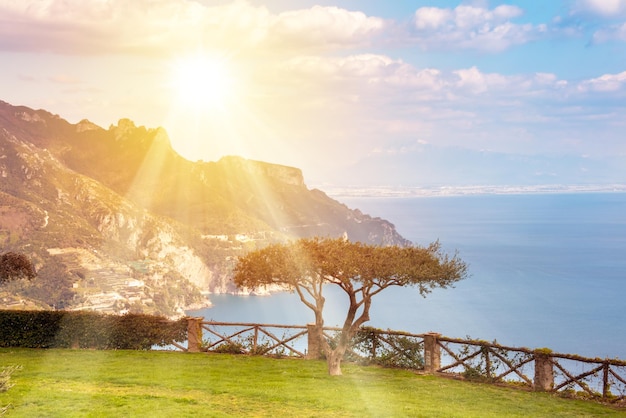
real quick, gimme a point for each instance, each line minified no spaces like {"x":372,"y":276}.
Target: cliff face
{"x":256,"y":169}
{"x":133,"y":226}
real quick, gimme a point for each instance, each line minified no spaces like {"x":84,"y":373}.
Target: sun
{"x":202,"y":81}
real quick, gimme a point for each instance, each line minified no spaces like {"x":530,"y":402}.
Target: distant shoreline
{"x":444,"y":191}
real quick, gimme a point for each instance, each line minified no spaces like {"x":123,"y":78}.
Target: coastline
{"x":265,"y":291}
{"x":477,"y":190}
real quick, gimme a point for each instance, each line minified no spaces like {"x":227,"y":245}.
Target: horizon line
{"x":467,"y":190}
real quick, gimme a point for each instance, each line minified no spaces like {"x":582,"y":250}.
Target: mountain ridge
{"x":81,"y":199}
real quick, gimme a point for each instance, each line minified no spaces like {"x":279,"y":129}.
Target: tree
{"x":361,"y":271}
{"x":53,"y":285}
{"x":14,"y":266}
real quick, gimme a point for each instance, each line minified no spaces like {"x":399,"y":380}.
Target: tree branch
{"x":303,"y":298}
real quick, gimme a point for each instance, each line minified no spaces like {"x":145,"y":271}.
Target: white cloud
{"x":611,"y":33}
{"x":398,"y":100}
{"x":367,"y":73}
{"x":140,"y":26}
{"x":604,"y":17}
{"x":472,"y":17}
{"x":147,"y":26}
{"x":321,"y":26}
{"x":472,"y":27}
{"x":479,"y":82}
{"x":154,"y":26}
{"x":604,"y":83}
{"x":545,"y":78}
{"x":377,"y":79}
{"x":604,"y":8}
{"x":432,"y":18}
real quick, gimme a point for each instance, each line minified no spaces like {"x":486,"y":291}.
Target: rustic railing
{"x":595,"y":376}
{"x":481,"y":360}
{"x":256,"y":339}
{"x":539,"y":370}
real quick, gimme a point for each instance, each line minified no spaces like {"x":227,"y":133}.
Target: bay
{"x":547,"y":270}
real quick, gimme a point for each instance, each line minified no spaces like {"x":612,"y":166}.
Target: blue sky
{"x":365,"y":92}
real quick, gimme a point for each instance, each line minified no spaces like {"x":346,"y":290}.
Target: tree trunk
{"x":334,"y":362}
{"x":334,"y":357}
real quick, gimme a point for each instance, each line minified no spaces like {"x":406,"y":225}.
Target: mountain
{"x":115,"y":220}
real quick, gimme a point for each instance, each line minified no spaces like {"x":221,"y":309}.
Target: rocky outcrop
{"x":280,"y":173}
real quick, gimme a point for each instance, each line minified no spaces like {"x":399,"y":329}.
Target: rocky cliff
{"x":121,"y":222}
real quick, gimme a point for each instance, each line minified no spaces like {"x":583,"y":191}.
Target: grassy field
{"x":83,"y":383}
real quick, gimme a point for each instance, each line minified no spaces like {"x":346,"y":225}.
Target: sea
{"x":546,"y":270}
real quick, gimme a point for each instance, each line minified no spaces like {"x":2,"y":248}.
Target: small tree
{"x":53,"y":285}
{"x":14,"y":266}
{"x":361,"y":271}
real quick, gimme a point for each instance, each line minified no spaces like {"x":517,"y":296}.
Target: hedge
{"x":68,"y":329}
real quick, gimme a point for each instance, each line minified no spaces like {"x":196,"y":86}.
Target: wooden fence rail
{"x":257,"y":339}
{"x":539,"y":369}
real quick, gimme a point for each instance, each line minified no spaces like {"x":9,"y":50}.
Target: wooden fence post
{"x":432,"y":353}
{"x":314,"y":351}
{"x":606,"y":386}
{"x":194,"y":334}
{"x":544,"y":372}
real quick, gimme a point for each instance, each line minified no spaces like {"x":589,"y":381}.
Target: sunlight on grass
{"x":133,"y":383}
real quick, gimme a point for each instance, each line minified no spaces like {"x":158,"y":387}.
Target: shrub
{"x":230,"y":348}
{"x":384,"y":348}
{"x":63,"y":329}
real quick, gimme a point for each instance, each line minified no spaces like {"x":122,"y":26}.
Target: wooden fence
{"x":539,"y":370}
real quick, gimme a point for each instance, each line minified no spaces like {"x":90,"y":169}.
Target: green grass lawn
{"x":84,"y":383}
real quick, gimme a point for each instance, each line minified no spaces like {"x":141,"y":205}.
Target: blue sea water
{"x":547,"y":270}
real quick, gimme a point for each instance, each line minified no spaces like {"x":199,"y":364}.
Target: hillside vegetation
{"x":76,"y":383}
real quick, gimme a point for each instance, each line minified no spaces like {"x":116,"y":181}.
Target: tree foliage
{"x":53,"y":285}
{"x":360,"y":270}
{"x":14,"y":266}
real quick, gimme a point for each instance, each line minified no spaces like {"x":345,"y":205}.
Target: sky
{"x":353,"y":92}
